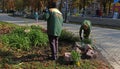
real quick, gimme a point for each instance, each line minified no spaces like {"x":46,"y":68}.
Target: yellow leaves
{"x":117,"y":4}
{"x":78,"y":63}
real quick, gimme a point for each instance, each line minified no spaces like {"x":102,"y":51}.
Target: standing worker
{"x":54,"y":27}
{"x":85,"y":29}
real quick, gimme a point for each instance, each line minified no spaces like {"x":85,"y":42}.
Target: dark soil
{"x":42,"y":55}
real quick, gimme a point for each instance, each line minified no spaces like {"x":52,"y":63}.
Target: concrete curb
{"x":96,"y":21}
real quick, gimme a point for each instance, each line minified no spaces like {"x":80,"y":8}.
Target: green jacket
{"x":86,"y":32}
{"x":54,"y":22}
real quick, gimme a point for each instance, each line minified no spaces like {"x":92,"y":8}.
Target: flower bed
{"x":26,"y":48}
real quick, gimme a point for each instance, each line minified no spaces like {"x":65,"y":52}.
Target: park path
{"x":107,"y":40}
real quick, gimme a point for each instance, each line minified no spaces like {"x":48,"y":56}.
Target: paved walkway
{"x":106,"y":40}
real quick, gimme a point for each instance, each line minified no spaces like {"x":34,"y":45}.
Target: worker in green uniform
{"x":54,"y":27}
{"x":85,"y":29}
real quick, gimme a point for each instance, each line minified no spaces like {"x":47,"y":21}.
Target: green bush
{"x":35,"y":27}
{"x":87,"y":41}
{"x":4,"y":39}
{"x":37,"y":38}
{"x":20,"y":42}
{"x":68,"y":37}
{"x":24,"y":38}
{"x":75,"y":56}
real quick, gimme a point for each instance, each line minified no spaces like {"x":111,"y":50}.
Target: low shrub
{"x":37,"y":38}
{"x":75,"y":56}
{"x":68,"y":37}
{"x":87,"y":41}
{"x":24,"y":38}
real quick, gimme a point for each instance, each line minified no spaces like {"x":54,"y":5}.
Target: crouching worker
{"x":84,"y":32}
{"x":85,"y":29}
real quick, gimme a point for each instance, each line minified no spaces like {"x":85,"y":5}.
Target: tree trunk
{"x":66,"y":11}
{"x":109,"y":6}
{"x":3,"y":5}
{"x":61,"y":2}
{"x":80,"y":5}
{"x":104,"y":6}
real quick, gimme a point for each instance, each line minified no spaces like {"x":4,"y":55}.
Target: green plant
{"x":75,"y":56}
{"x":4,"y":39}
{"x":37,"y":38}
{"x":35,"y":27}
{"x":24,"y":38}
{"x":67,"y":36}
{"x":14,"y":40}
{"x":87,"y":41}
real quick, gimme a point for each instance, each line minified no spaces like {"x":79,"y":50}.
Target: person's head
{"x":85,"y":26}
{"x":52,"y":5}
